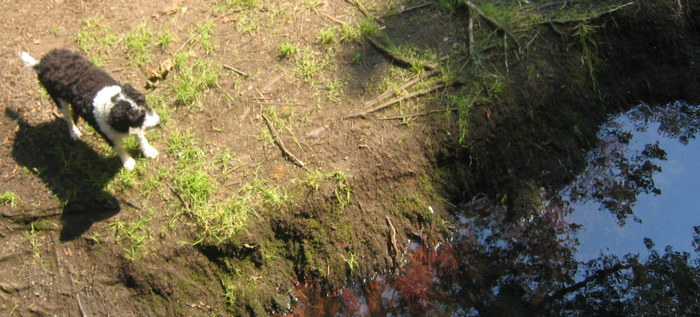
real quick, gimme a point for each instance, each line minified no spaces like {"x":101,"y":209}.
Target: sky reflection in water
{"x":668,"y":218}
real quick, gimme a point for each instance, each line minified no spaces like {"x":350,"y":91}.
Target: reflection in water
{"x":646,"y":168}
{"x":500,"y":266}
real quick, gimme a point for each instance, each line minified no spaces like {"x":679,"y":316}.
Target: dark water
{"x":622,"y":240}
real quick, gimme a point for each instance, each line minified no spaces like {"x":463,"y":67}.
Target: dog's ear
{"x":123,"y":116}
{"x":134,"y":94}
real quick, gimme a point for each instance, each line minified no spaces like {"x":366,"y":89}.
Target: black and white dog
{"x":83,"y":90}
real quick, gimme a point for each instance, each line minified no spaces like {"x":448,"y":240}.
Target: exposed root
{"x":279,"y":142}
{"x":392,"y":239}
{"x":399,"y":58}
{"x":492,"y":21}
{"x":28,"y":215}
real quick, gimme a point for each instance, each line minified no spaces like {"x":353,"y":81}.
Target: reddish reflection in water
{"x":491,"y":264}
{"x":419,"y":288}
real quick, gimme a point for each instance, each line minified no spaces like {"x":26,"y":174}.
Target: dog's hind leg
{"x":67,"y":111}
{"x":118,"y":145}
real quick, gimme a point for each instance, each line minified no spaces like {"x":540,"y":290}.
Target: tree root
{"x":392,"y":241}
{"x":279,"y":142}
{"x":492,"y":21}
{"x":28,"y":215}
{"x":399,"y":58}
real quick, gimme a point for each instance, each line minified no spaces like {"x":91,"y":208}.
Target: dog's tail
{"x":28,"y":60}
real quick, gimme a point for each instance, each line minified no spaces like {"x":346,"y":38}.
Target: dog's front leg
{"x":127,"y":160}
{"x":146,"y":148}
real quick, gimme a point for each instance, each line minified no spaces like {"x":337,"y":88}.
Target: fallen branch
{"x":279,"y":142}
{"x":586,"y":18}
{"x":399,"y":58}
{"x":392,"y":92}
{"x":235,"y":70}
{"x":397,"y":100}
{"x":493,"y":21}
{"x":364,"y":11}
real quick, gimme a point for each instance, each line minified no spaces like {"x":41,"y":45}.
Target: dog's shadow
{"x":72,"y":170}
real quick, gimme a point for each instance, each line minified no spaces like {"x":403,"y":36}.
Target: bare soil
{"x":63,"y":250}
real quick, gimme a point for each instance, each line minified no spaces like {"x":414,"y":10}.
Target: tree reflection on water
{"x":500,"y":265}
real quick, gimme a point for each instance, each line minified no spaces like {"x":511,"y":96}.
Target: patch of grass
{"x":351,"y":261}
{"x":369,"y":28}
{"x":312,"y":180}
{"x":287,"y":49}
{"x":248,"y":25}
{"x":589,"y":51}
{"x":136,"y":234}
{"x":328,"y":36}
{"x":97,"y":40}
{"x":310,"y":62}
{"x":222,"y":221}
{"x":342,"y":190}
{"x":464,"y":106}
{"x":447,"y":6}
{"x":9,"y":198}
{"x":138,"y":42}
{"x":192,"y":79}
{"x":34,"y":238}
{"x":164,"y":39}
{"x":267,"y":195}
{"x":335,"y":89}
{"x":203,"y":35}
{"x":236,"y":4}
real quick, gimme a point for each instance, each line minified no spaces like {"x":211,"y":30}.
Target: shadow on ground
{"x":72,"y":170}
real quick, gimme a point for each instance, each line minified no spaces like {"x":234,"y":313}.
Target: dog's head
{"x":130,"y":111}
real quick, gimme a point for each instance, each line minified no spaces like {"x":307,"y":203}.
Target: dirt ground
{"x":125,"y":244}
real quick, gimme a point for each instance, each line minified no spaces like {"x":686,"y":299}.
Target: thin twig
{"x":279,"y":142}
{"x":493,"y":21}
{"x":397,"y":100}
{"x":418,"y":6}
{"x":586,"y":18}
{"x":418,"y":114}
{"x":182,"y":200}
{"x":399,"y":58}
{"x":391,"y":93}
{"x":235,"y":70}
{"x":472,"y":53}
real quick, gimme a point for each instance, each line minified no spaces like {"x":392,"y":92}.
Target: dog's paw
{"x":150,"y":152}
{"x":129,"y":164}
{"x":75,"y":134}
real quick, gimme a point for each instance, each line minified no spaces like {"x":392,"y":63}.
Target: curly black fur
{"x":68,"y":76}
